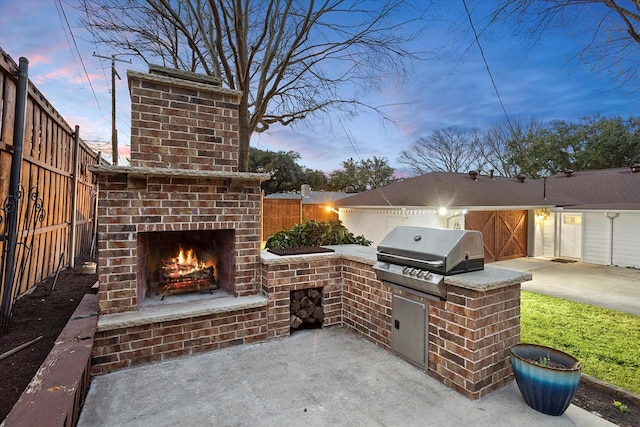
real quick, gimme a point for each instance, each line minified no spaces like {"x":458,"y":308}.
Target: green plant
{"x":315,"y":233}
{"x":621,"y":406}
{"x":544,"y":361}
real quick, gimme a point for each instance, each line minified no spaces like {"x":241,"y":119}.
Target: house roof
{"x":458,"y":190}
{"x":314,"y":198}
{"x":617,"y":189}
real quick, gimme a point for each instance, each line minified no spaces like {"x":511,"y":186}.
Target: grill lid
{"x":436,"y":250}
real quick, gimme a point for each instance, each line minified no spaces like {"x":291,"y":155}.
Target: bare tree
{"x":290,"y":58}
{"x":447,"y":150}
{"x":613,"y":26}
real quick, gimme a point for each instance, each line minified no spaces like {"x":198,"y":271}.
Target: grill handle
{"x":402,"y":259}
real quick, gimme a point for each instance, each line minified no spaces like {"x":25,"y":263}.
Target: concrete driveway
{"x":616,"y":288}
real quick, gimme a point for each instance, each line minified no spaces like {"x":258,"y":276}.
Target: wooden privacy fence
{"x":282,"y":214}
{"x":57,"y":192}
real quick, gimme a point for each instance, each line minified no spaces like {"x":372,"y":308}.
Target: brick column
{"x":469,"y":338}
{"x":281,"y":276}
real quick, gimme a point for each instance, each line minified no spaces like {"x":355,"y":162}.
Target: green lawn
{"x":607,"y":342}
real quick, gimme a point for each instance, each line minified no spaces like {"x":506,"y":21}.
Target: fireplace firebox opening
{"x":183,"y":262}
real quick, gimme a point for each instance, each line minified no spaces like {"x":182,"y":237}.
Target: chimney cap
{"x":568,"y":172}
{"x":521,"y":178}
{"x":184,"y":75}
{"x":473,"y":175}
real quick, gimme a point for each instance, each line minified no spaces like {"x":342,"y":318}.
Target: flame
{"x":187,"y":261}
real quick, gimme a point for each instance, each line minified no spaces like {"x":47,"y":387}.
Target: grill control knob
{"x":421,"y":273}
{"x":406,"y":270}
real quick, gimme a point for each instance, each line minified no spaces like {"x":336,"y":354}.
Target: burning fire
{"x":185,"y":262}
{"x":185,"y":273}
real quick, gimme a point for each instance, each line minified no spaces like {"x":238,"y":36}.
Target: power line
{"x":486,"y":64}
{"x":349,"y":138}
{"x":61,"y":14}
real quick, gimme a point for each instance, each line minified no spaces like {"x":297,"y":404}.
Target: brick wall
{"x":281,"y":277}
{"x":182,"y":124}
{"x":468,"y":336}
{"x":366,"y":303}
{"x":152,"y":342}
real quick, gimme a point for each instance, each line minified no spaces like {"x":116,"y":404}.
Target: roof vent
{"x":568,"y":172}
{"x":635,"y":167}
{"x":305,"y":190}
{"x":491,"y":173}
{"x":521,"y":178}
{"x":473,"y":175}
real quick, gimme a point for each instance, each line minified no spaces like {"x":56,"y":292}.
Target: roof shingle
{"x":601,"y":189}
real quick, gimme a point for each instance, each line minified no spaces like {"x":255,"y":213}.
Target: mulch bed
{"x":40,"y":313}
{"x":599,"y":397}
{"x":44,"y":313}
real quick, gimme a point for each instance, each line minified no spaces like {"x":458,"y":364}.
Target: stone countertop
{"x":482,"y":280}
{"x":487,"y":279}
{"x":175,"y":173}
{"x":363,"y":254}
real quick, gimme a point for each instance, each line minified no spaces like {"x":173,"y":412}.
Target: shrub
{"x":314,"y":233}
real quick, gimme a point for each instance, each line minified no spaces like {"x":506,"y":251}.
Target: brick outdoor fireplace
{"x":182,"y":198}
{"x":181,"y":195}
{"x":182,"y":190}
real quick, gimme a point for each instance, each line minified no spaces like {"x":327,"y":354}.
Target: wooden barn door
{"x":504,"y":233}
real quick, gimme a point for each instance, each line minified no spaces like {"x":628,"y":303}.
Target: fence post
{"x":11,"y":207}
{"x":74,"y":198}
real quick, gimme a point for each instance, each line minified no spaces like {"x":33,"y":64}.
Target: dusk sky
{"x":451,"y":89}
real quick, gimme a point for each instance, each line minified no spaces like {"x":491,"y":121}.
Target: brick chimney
{"x":182,"y":120}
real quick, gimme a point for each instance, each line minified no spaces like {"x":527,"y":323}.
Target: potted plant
{"x":547,"y":378}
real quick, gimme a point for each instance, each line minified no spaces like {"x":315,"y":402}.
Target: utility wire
{"x":349,"y":138}
{"x":61,"y":14}
{"x":486,"y":64}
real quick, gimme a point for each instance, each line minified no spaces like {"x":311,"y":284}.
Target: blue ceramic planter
{"x":546,"y":389}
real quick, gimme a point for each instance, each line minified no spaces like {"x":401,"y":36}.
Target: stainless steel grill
{"x":420,"y":257}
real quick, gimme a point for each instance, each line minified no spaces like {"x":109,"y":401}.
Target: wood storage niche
{"x":306,"y":309}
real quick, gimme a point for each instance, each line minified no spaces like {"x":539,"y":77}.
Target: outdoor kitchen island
{"x":468,"y":334}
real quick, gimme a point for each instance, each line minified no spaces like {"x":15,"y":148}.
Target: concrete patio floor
{"x":328,"y":377}
{"x":611,"y":287}
{"x":332,"y":377}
